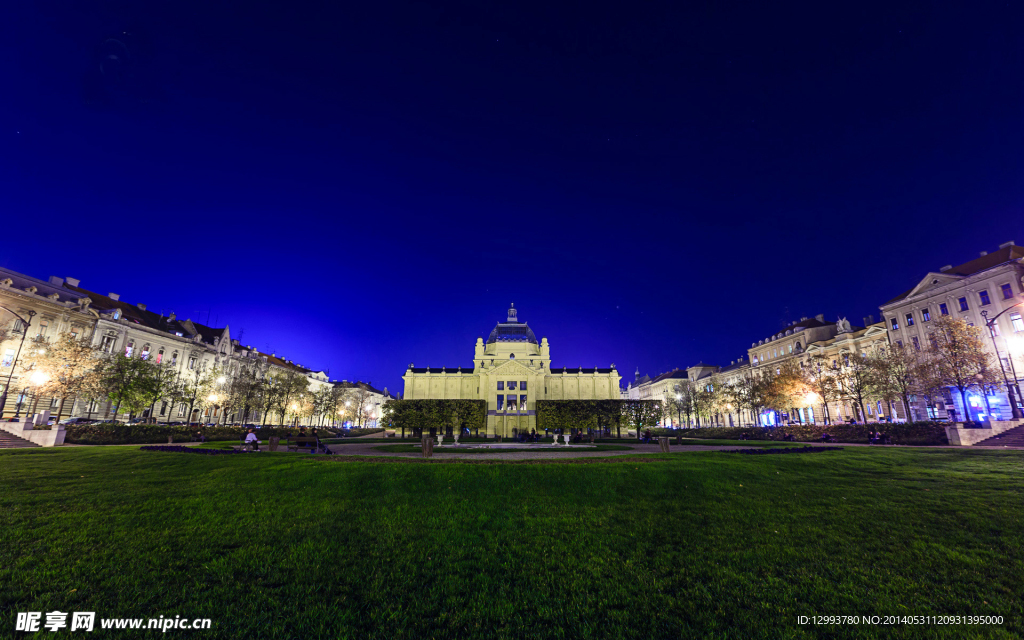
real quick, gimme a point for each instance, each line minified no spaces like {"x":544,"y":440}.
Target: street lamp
{"x":24,"y":332}
{"x":37,"y":378}
{"x":1014,"y":409}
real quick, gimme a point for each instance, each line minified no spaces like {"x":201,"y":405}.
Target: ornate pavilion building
{"x":511,"y":371}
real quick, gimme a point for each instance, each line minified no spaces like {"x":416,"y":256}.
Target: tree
{"x":357,"y":401}
{"x":743,"y":396}
{"x":856,"y":380}
{"x":74,"y":369}
{"x":820,"y":376}
{"x":641,"y":413}
{"x":194,"y":385}
{"x":246,"y":388}
{"x":957,"y":358}
{"x":897,"y":372}
{"x":681,"y":401}
{"x":127,"y":382}
{"x":292,"y":387}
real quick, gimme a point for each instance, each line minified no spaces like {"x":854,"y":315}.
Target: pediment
{"x":933,"y":281}
{"x":511,"y":368}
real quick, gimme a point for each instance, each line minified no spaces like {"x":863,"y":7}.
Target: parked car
{"x":74,"y":421}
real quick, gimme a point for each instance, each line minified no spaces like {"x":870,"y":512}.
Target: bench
{"x":295,"y":443}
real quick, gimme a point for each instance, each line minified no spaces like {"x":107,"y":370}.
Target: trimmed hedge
{"x":439,"y":414}
{"x":117,"y":433}
{"x":918,"y":433}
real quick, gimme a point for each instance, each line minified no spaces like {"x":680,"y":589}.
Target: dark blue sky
{"x":364,"y":186}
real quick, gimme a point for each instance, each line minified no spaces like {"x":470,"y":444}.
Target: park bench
{"x":295,"y":443}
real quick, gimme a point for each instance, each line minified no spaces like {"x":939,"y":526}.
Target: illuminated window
{"x":894,"y":324}
{"x":943,"y":309}
{"x":983,"y":295}
{"x":917,"y":345}
{"x":9,"y":357}
{"x":846,"y":359}
{"x":181,"y":410}
{"x":963,"y":304}
{"x":1017,"y":322}
{"x":128,"y":348}
{"x":522,"y":403}
{"x":191,"y":363}
{"x":145,"y":352}
{"x":926,"y":315}
{"x":160,"y":358}
{"x":501,"y":385}
{"x":910,"y":319}
{"x":163,"y":408}
{"x":43,"y":324}
{"x":501,"y":401}
{"x":1007,"y":291}
{"x":74,"y":332}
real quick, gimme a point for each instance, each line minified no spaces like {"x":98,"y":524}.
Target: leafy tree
{"x":127,"y":382}
{"x":74,"y":369}
{"x":194,"y":386}
{"x":641,"y":413}
{"x":820,"y":376}
{"x":855,"y":380}
{"x":897,"y":372}
{"x":957,"y":358}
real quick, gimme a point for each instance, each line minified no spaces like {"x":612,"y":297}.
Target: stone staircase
{"x":11,"y":441}
{"x":1012,"y":438}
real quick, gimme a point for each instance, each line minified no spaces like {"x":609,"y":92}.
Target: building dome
{"x":512,"y":330}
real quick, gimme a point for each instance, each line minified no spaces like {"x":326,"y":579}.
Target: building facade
{"x":989,"y":287}
{"x":511,"y":371}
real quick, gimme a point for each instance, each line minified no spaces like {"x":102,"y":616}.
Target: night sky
{"x":361,"y":186}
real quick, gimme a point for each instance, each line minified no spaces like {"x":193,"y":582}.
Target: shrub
{"x":118,"y":433}
{"x":919,"y":433}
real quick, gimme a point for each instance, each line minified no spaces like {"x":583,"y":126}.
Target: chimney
{"x":72,"y":281}
{"x":869,"y":320}
{"x":113,"y":296}
{"x":803,"y":318}
{"x":171,"y":317}
{"x":1006,"y":244}
{"x":733,"y":362}
{"x":820,"y":317}
{"x":984,"y":253}
{"x":946,"y":268}
{"x":141,"y":306}
{"x":54,"y":280}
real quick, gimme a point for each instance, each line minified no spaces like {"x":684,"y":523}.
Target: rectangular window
{"x":963,"y":304}
{"x":128,"y":349}
{"x":145,"y":353}
{"x":943,"y":309}
{"x":1015,"y":320}
{"x":191,"y":363}
{"x":43,"y":324}
{"x":19,"y":326}
{"x":160,"y":356}
{"x":181,"y":410}
{"x":983,"y":296}
{"x":9,"y":356}
{"x":163,"y":408}
{"x":501,"y":401}
{"x":926,"y":315}
{"x":894,"y":324}
{"x":522,"y":403}
{"x":108,"y":344}
{"x":511,"y":385}
{"x":899,"y":343}
{"x":910,"y":319}
{"x":1007,"y":291}
{"x":501,"y":385}
{"x":917,"y":345}
{"x":522,"y":385}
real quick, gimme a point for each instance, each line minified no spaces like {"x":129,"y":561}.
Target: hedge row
{"x":917,"y":433}
{"x":117,"y":433}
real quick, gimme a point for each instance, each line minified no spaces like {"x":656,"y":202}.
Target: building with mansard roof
{"x":511,"y":371}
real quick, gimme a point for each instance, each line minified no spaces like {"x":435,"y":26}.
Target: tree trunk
{"x":906,"y":406}
{"x":963,"y":399}
{"x":60,"y":409}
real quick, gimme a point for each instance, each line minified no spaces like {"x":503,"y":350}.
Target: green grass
{"x":698,"y":544}
{"x":572,"y":448}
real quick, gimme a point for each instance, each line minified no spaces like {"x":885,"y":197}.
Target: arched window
{"x":145,"y":352}
{"x":511,"y":356}
{"x":174,"y":358}
{"x":159,"y":356}
{"x":128,"y":348}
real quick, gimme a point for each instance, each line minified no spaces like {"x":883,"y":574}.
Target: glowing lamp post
{"x":37,"y":379}
{"x":1014,"y":409}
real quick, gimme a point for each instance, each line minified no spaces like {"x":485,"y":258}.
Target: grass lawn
{"x":572,"y":448}
{"x":700,"y":544}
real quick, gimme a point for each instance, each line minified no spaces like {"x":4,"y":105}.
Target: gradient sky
{"x":361,"y":186}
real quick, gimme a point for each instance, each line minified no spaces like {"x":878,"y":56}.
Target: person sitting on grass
{"x":251,"y":440}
